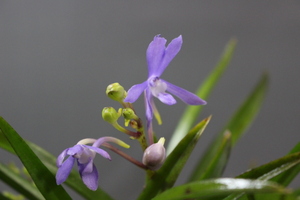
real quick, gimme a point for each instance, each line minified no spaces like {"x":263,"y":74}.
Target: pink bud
{"x":155,"y":155}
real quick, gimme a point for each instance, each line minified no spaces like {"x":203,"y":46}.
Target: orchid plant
{"x":49,"y":174}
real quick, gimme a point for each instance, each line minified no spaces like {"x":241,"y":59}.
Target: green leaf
{"x":192,"y":112}
{"x":179,"y":163}
{"x":238,"y":124}
{"x":268,"y":171}
{"x":218,"y":187}
{"x":74,"y":181}
{"x":288,"y":176}
{"x":158,"y":180}
{"x":4,"y":144}
{"x":20,"y":184}
{"x":216,"y":165}
{"x":42,"y":177}
{"x":3,"y":197}
{"x":246,"y":114}
{"x":272,"y":169}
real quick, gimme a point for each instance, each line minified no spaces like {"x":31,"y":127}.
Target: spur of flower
{"x":158,"y":58}
{"x":84,"y":155}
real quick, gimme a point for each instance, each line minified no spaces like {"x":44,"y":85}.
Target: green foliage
{"x":182,"y":151}
{"x":33,"y":164}
{"x":20,"y":184}
{"x":268,"y":181}
{"x":74,"y":181}
{"x":217,"y":187}
{"x":192,"y":112}
{"x":215,"y":157}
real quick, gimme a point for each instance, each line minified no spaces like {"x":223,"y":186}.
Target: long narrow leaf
{"x":272,"y":169}
{"x":215,"y":166}
{"x":2,"y":197}
{"x":267,"y":172}
{"x":218,"y":187}
{"x":74,"y":181}
{"x":157,"y":181}
{"x":238,"y":124}
{"x":181,"y":161}
{"x":192,"y":112}
{"x":19,"y":183}
{"x":4,"y":144}
{"x":42,"y":177}
{"x":287,"y":177}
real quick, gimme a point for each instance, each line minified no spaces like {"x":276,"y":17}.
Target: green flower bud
{"x":110,"y":115}
{"x":155,"y":155}
{"x":116,"y":92}
{"x":128,"y":115}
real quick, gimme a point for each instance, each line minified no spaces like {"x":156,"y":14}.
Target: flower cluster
{"x":158,"y":58}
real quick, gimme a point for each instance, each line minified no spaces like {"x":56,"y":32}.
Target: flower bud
{"x":110,"y":115}
{"x":128,"y":115}
{"x":116,"y":92}
{"x":155,"y":155}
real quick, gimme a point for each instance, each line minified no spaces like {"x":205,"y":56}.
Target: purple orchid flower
{"x":158,"y":58}
{"x":84,"y":155}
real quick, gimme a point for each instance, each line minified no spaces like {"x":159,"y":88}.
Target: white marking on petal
{"x":157,"y":86}
{"x":85,"y":156}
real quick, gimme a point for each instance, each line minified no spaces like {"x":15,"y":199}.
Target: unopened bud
{"x":110,"y":115}
{"x":155,"y":155}
{"x":116,"y":92}
{"x":128,"y":115}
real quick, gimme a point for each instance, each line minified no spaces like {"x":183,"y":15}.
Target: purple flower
{"x":84,"y":155}
{"x":158,"y":58}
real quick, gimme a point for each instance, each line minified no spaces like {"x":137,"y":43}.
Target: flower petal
{"x":184,"y":95}
{"x":159,"y":56}
{"x":135,"y":91}
{"x":99,"y":151}
{"x":76,"y":149}
{"x":148,"y":103}
{"x":91,"y":179}
{"x":166,"y":98}
{"x":64,"y":170}
{"x":171,"y":51}
{"x":155,"y":54}
{"x":61,"y":157}
{"x":87,"y":167}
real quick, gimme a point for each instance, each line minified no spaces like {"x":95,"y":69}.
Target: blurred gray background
{"x":57,"y":57}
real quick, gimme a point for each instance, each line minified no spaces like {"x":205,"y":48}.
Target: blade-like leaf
{"x":176,"y":169}
{"x":238,"y":124}
{"x":218,"y":187}
{"x":215,"y":167}
{"x":288,"y":176}
{"x":157,"y":181}
{"x":192,"y":112}
{"x":287,"y":173}
{"x":272,"y":169}
{"x":4,"y":144}
{"x":42,"y":177}
{"x":74,"y":181}
{"x":245,"y":115}
{"x":19,"y":183}
{"x":2,"y":197}
{"x":267,"y":172}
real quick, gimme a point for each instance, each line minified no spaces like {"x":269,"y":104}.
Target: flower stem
{"x":126,"y":156}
